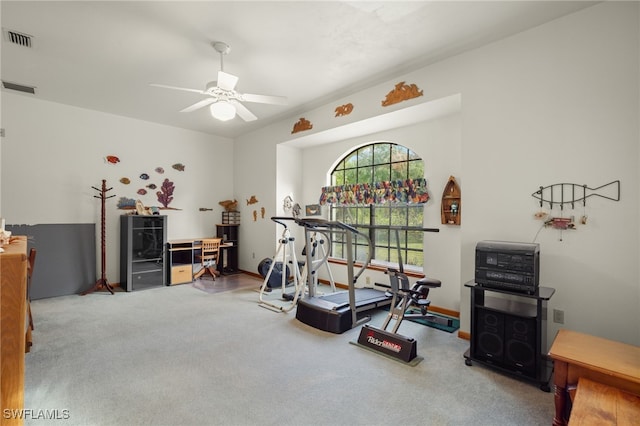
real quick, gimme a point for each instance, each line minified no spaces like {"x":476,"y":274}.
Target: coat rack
{"x":102,"y":283}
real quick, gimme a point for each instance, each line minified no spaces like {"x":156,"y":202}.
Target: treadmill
{"x":344,"y":310}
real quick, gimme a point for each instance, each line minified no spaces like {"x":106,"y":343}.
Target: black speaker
{"x":488,"y":336}
{"x":520,"y":344}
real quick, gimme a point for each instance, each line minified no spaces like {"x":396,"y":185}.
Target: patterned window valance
{"x":398,"y":191}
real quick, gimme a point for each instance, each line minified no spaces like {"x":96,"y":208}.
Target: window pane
{"x":337,"y":178}
{"x":337,"y":250}
{"x":382,"y":237}
{"x":413,"y":156}
{"x":381,"y":173}
{"x":382,"y":254}
{"x":414,"y":215}
{"x":363,"y":216}
{"x":415,"y":258}
{"x":399,"y":153}
{"x":381,"y":214}
{"x":365,"y":156}
{"x":350,"y":176}
{"x":351,"y":160}
{"x":365,"y":175}
{"x":414,"y":239}
{"x":381,"y":153}
{"x":399,"y":171}
{"x":416,"y":169}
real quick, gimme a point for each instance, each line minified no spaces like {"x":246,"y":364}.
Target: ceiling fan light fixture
{"x":223,"y":110}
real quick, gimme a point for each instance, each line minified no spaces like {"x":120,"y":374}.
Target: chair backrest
{"x":31,"y":263}
{"x":210,"y":248}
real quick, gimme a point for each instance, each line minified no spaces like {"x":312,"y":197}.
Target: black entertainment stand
{"x":508,"y":332}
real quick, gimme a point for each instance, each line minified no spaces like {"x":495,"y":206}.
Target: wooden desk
{"x":182,"y":257}
{"x":15,"y":329}
{"x":577,"y":355}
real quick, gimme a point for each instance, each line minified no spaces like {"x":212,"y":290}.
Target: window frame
{"x":401,"y":163}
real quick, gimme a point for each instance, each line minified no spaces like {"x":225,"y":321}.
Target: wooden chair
{"x":30,"y":266}
{"x":209,"y":257}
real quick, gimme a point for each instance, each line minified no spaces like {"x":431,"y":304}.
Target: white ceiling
{"x":103,"y":55}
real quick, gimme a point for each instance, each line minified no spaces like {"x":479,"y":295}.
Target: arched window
{"x":382,"y":164}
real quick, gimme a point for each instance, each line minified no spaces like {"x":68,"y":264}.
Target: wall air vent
{"x":19,"y":87}
{"x":21,"y":39}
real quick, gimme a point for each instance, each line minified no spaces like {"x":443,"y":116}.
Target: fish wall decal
{"x":562,"y":194}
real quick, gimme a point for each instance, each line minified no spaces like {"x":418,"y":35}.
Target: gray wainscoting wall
{"x":65,"y":258}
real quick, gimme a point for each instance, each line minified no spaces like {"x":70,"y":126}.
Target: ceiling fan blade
{"x":243,"y":112}
{"x":184,"y":89}
{"x":226,"y":81}
{"x":265,"y":99}
{"x":198,"y":105}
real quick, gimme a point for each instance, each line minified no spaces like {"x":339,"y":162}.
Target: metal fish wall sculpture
{"x":562,"y":194}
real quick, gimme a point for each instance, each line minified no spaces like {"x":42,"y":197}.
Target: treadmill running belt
{"x":363,"y":297}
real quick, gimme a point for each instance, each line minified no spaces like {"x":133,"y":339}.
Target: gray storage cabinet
{"x":142,"y":259}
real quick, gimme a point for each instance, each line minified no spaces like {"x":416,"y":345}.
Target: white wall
{"x":557,"y":103}
{"x":53,"y":155}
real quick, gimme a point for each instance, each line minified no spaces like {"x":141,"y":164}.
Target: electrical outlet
{"x":253,"y":255}
{"x":558,"y":316}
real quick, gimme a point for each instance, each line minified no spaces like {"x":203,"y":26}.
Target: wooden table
{"x":577,"y":355}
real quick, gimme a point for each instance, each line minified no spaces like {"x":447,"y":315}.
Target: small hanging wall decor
{"x":301,"y":125}
{"x":401,"y":92}
{"x":568,"y":195}
{"x":312,"y":210}
{"x":252,"y":200}
{"x":344,"y":109}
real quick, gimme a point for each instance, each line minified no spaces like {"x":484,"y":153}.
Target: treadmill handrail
{"x":398,"y":228}
{"x":318,"y":223}
{"x":279,"y":219}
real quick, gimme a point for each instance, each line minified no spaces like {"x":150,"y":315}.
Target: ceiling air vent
{"x":21,"y":39}
{"x":19,"y":87}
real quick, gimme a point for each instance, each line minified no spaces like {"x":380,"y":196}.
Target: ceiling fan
{"x":223,"y":100}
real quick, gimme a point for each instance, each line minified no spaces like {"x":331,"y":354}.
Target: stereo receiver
{"x":508,"y":265}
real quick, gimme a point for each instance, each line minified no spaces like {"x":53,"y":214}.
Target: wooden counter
{"x":14,"y":329}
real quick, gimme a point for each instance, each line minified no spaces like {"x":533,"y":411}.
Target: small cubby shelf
{"x":451,"y":204}
{"x":229,"y":234}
